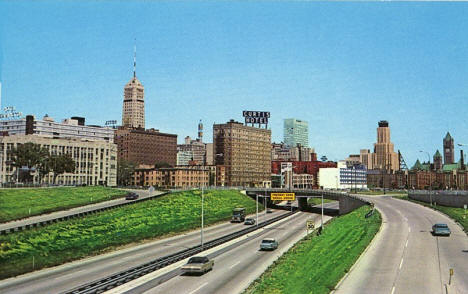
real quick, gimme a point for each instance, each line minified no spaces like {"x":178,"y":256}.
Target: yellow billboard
{"x":283,"y":196}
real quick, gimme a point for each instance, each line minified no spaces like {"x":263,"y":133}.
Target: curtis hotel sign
{"x":256,"y":117}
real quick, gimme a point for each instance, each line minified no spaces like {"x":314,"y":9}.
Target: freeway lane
{"x":77,"y":273}
{"x":405,"y":257}
{"x":72,"y":211}
{"x":235,"y":269}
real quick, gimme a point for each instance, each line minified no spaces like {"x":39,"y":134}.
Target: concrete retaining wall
{"x":445,"y":198}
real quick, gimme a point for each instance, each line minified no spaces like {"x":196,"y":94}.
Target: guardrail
{"x":115,"y":280}
{"x":75,"y":215}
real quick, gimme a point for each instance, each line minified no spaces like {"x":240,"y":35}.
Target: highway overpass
{"x":347,"y":202}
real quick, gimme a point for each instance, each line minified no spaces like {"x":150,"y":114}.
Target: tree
{"x":28,"y":155}
{"x":125,"y":171}
{"x":61,"y":164}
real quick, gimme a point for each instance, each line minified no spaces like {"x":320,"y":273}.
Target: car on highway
{"x":249,"y":221}
{"x":268,"y":244}
{"x":198,"y":265}
{"x":131,"y":196}
{"x":440,"y":230}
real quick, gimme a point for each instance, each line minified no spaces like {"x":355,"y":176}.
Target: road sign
{"x":310,"y":225}
{"x":283,"y":196}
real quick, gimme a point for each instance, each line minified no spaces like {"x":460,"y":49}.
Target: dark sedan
{"x":131,"y":196}
{"x":440,"y":230}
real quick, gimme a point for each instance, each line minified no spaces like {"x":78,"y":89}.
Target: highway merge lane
{"x":405,"y":257}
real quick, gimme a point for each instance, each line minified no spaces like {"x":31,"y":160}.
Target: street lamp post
{"x":202,"y":218}
{"x":321,"y":218}
{"x":429,"y":170}
{"x":256,"y":195}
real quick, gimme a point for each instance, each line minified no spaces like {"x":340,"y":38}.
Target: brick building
{"x":146,"y":146}
{"x":178,"y":177}
{"x":244,"y":152}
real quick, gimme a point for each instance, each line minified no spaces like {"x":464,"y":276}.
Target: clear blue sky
{"x":340,"y":66}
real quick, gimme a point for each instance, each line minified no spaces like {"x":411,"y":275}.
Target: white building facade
{"x":343,"y":177}
{"x":69,"y":128}
{"x":95,"y":161}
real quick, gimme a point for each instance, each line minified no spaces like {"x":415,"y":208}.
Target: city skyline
{"x":259,"y":56}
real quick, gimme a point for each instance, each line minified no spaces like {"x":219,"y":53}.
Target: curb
{"x":362,"y":254}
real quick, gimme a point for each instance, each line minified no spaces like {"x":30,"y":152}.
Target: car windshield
{"x":197,"y":260}
{"x":268,"y":241}
{"x":442,"y":226}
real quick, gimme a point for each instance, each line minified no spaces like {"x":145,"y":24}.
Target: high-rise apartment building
{"x":133,"y":112}
{"x":449,"y":149}
{"x":243,"y":152}
{"x":384,"y":155}
{"x":296,"y":131}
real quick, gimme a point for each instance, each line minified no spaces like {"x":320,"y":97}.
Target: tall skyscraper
{"x":133,"y":113}
{"x":296,"y":131}
{"x":384,"y":155}
{"x":449,"y":152}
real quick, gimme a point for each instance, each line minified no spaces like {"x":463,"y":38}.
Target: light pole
{"x":256,"y":195}
{"x":321,"y":218}
{"x":429,"y":170}
{"x":202,"y":218}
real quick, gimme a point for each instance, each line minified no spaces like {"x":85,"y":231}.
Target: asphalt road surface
{"x":236,"y":267}
{"x":63,"y":213}
{"x":71,"y":275}
{"x":405,"y":257}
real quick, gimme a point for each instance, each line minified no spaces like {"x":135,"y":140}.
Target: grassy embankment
{"x":73,"y":239}
{"x":315,"y":265}
{"x":453,"y":212}
{"x":318,"y":201}
{"x":16,"y":203}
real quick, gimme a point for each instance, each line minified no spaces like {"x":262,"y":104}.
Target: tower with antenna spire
{"x":200,"y":132}
{"x":133,"y":112}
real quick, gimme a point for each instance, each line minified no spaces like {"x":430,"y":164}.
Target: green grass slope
{"x":315,"y":265}
{"x":77,"y":238}
{"x":15,"y":203}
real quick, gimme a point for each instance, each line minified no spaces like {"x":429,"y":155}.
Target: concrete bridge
{"x":347,"y":202}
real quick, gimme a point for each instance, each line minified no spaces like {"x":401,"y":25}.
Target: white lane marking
{"x":234,"y":264}
{"x":203,"y":285}
{"x":401,"y":263}
{"x":409,"y":229}
{"x":406,"y":245}
{"x":393,"y":289}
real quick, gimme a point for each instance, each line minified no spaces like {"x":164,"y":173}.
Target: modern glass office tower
{"x":296,"y":131}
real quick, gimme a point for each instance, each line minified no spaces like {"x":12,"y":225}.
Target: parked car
{"x":269,"y":211}
{"x":268,"y":244}
{"x":131,"y":196}
{"x":198,"y":265}
{"x":440,"y":230}
{"x":249,"y":221}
